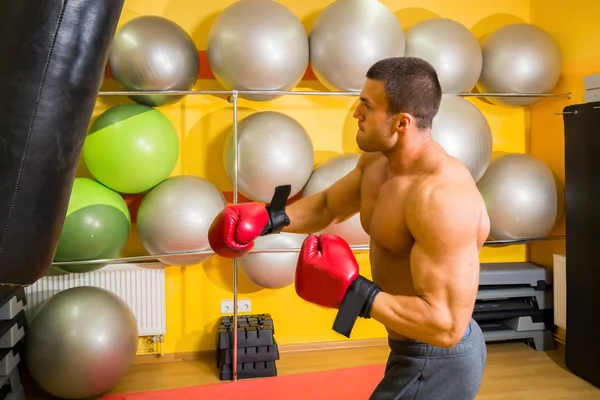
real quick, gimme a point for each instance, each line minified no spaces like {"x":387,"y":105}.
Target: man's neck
{"x":408,"y":151}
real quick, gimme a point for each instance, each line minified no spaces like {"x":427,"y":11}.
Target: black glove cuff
{"x":357,"y":302}
{"x":278,"y":219}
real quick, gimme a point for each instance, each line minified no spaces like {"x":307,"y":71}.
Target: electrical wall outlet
{"x":243,"y":306}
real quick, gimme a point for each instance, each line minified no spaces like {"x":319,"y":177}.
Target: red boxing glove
{"x":233,"y":231}
{"x":327,"y":274}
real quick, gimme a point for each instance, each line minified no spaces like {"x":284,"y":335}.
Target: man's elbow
{"x":447,"y":333}
{"x":447,"y":339}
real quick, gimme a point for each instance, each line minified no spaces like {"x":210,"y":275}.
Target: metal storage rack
{"x":233,"y":98}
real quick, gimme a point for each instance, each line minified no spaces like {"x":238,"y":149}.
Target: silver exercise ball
{"x":520,"y":58}
{"x":274,"y":270}
{"x":521,"y":197}
{"x":81,"y":342}
{"x":325,"y":175}
{"x":348,"y":37}
{"x":154,"y":53}
{"x":273,"y":149}
{"x":258,"y":45}
{"x":175,"y":215}
{"x":463,"y":131}
{"x":451,"y":48}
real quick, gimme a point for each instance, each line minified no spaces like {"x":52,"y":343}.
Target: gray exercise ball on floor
{"x":175,"y":215}
{"x":348,"y":37}
{"x":451,"y":48}
{"x":154,"y":53}
{"x":463,"y":131}
{"x":520,"y":58}
{"x":81,"y":342}
{"x":258,"y":45}
{"x":521,"y":197}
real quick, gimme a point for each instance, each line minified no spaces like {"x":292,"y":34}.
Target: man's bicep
{"x":343,"y":196}
{"x":445,"y":254}
{"x":444,"y":270}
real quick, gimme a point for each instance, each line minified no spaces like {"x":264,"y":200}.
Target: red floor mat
{"x":347,"y":384}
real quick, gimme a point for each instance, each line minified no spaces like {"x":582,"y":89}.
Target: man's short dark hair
{"x":411,"y":85}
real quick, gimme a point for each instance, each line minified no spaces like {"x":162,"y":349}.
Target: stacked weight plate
{"x":12,"y":331}
{"x":257,"y":347}
{"x":514,"y":302}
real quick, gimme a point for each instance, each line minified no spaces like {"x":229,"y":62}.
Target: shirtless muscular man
{"x":427,"y":223}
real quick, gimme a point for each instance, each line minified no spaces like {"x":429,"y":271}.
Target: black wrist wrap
{"x":278,"y":219}
{"x":356,"y":303}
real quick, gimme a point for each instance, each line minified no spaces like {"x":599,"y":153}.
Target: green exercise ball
{"x":97,"y":226}
{"x":131,"y":148}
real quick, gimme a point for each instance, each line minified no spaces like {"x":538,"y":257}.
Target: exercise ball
{"x":451,"y":48}
{"x":96,"y":226}
{"x":273,"y":149}
{"x":325,"y":175}
{"x":273,"y":270}
{"x":258,"y":45}
{"x":81,"y":342}
{"x":174,"y":217}
{"x":131,"y":148}
{"x":462,"y":130}
{"x":154,"y":53}
{"x":519,"y":58}
{"x":521,"y":197}
{"x":348,"y":37}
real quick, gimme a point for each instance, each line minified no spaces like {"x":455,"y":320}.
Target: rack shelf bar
{"x":167,"y":256}
{"x":304,"y":93}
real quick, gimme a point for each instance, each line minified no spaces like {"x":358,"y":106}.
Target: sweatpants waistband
{"x":471,"y":341}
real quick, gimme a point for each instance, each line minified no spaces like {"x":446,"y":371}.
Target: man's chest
{"x":383,"y":204}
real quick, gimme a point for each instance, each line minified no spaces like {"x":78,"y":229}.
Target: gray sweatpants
{"x":419,"y":371}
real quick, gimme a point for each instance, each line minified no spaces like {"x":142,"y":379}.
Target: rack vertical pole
{"x":235,"y":261}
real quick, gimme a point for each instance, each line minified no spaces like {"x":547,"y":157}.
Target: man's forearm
{"x":308,"y":215}
{"x":415,"y":318}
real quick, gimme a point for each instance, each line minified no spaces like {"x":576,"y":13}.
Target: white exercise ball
{"x":324,"y":176}
{"x":273,"y":149}
{"x":521,"y":197}
{"x":519,"y":58}
{"x":154,"y":53}
{"x":258,"y":45}
{"x":175,"y":215}
{"x":348,"y":37}
{"x":463,"y":131}
{"x":273,"y":270}
{"x":451,"y":48}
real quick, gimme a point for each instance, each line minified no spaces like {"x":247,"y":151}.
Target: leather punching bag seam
{"x":40,"y":90}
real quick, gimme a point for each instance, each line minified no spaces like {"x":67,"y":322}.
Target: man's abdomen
{"x":392,"y":273}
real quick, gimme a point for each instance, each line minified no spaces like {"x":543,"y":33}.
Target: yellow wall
{"x":575,"y":27}
{"x":194,"y":293}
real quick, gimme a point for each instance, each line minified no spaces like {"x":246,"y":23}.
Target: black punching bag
{"x":582,"y":173}
{"x":53,"y":54}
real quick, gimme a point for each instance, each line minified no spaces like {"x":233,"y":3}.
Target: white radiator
{"x":141,"y":287}
{"x":560,"y":290}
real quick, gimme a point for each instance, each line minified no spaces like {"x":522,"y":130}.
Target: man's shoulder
{"x":442,"y":191}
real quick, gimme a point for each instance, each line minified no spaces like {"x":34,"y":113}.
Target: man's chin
{"x":363,"y":147}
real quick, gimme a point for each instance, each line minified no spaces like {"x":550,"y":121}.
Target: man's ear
{"x":403,"y":122}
